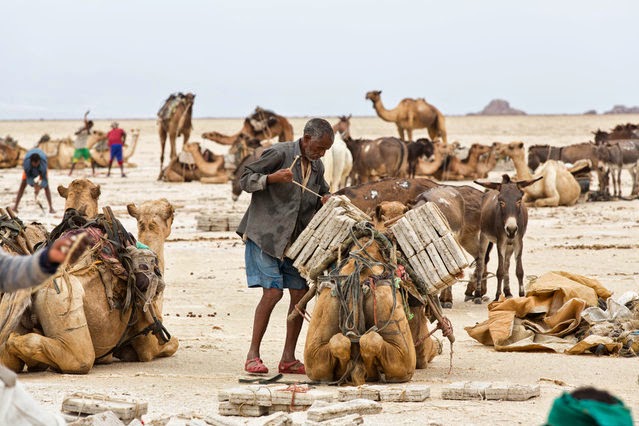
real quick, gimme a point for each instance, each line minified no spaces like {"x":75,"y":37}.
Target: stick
{"x":305,"y":188}
{"x":297,"y":157}
{"x":301,"y":305}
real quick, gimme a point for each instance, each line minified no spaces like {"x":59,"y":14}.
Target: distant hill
{"x":622,"y":109}
{"x":590,"y":112}
{"x":498,"y":107}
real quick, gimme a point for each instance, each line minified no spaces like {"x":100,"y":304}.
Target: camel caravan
{"x":103,"y":304}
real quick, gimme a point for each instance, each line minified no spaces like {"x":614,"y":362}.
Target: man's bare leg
{"x":270,"y":297}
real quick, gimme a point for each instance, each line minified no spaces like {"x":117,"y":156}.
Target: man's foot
{"x":51,"y":211}
{"x":15,"y":209}
{"x":291,"y":367}
{"x":254,"y":366}
{"x":108,"y":175}
{"x":123,"y":175}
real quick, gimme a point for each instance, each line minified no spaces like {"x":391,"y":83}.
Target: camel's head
{"x":192,"y":147}
{"x":387,"y":210}
{"x":82,"y":195}
{"x":480,"y":149}
{"x":155,"y":219}
{"x":374,"y":95}
{"x":189,"y":98}
{"x":512,"y":149}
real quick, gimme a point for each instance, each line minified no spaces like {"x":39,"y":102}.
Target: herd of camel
{"x":89,"y":313}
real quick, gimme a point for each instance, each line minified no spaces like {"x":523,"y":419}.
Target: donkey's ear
{"x":525,"y":183}
{"x":489,"y":185}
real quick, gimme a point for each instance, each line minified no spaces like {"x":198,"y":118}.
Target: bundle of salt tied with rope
{"x":374,"y":292}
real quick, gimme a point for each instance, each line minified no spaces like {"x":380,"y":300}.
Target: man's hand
{"x":61,"y":248}
{"x":280,"y":176}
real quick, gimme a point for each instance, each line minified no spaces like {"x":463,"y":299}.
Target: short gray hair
{"x":317,"y":128}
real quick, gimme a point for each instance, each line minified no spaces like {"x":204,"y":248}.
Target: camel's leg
{"x":162,"y":145}
{"x":35,"y":349}
{"x":186,"y":133}
{"x":172,"y":140}
{"x":172,"y":176}
{"x":425,"y":347}
{"x":401,"y":132}
{"x":377,"y":353}
{"x":410,"y":134}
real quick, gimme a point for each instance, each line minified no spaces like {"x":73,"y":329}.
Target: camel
{"x":376,"y":324}
{"x":11,"y":156}
{"x":558,"y":186}
{"x":202,"y":170}
{"x":102,"y":157}
{"x":82,"y":195}
{"x":262,"y":125}
{"x":411,"y":114}
{"x":84,"y":317}
{"x":59,"y":152}
{"x":430,"y":167}
{"x":174,"y":120}
{"x":456,"y":169}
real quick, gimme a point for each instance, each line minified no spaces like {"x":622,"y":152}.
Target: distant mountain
{"x":590,"y":112}
{"x":498,"y":107}
{"x":622,"y":109}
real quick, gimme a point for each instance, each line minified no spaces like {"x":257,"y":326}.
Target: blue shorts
{"x":116,"y":153}
{"x":263,"y":270}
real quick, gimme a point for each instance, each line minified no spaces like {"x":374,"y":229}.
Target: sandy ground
{"x":205,"y":276}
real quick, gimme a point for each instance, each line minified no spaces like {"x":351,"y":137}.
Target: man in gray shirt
{"x":278,"y":213}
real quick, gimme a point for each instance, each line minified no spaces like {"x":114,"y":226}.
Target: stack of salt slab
{"x":326,"y":232}
{"x":427,"y":241}
{"x":260,"y":400}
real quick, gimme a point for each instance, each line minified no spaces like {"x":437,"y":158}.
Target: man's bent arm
{"x":17,"y":272}
{"x":254,"y":176}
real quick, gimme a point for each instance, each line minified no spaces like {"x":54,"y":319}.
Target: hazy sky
{"x":122,"y":58}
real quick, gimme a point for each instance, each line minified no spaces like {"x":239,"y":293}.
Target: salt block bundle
{"x":426,"y":240}
{"x":259,"y":400}
{"x":328,"y":229}
{"x":393,"y":393}
{"x":489,"y":391}
{"x":125,"y":409}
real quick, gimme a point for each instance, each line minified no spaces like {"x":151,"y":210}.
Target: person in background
{"x":278,"y":213}
{"x":81,"y":145}
{"x":116,"y":138}
{"x":589,"y":406}
{"x":35,"y":166}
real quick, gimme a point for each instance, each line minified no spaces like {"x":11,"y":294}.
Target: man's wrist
{"x":45,"y":264}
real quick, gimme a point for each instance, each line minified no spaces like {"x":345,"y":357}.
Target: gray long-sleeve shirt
{"x":279,"y":212}
{"x":17,"y":272}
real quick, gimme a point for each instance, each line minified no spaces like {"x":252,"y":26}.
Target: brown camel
{"x":82,"y":195}
{"x":261,"y":125}
{"x":383,"y":341}
{"x":411,"y":114}
{"x":59,"y":152}
{"x":558,"y":186}
{"x":174,"y":120}
{"x":431,"y":166}
{"x":466,"y":169}
{"x":80,"y":323}
{"x":200,"y":169}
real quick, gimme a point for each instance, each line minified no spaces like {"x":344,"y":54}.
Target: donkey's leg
{"x":500,"y":267}
{"x":519,"y":249}
{"x":481,"y":265}
{"x":506,"y":271}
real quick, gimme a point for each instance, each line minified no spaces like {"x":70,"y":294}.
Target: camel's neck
{"x":131,"y":149}
{"x":220,"y":138}
{"x":157,"y":247}
{"x":204,"y":165}
{"x":384,"y":114}
{"x":429,"y":168}
{"x":523,"y":173}
{"x":489,"y":164}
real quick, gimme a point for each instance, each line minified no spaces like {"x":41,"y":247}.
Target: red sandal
{"x":291,"y":367}
{"x":255,"y":366}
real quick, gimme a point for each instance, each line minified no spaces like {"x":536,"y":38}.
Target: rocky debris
{"x":499,"y":107}
{"x":106,"y":418}
{"x":489,"y":391}
{"x":622,"y":109}
{"x":126,"y":410}
{"x":321,"y":411}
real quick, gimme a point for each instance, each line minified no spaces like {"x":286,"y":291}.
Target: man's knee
{"x":272,"y":295}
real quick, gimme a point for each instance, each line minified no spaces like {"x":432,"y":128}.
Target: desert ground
{"x":208,"y":307}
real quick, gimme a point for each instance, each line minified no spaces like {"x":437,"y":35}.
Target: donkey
{"x":504,"y":219}
{"x":618,"y":155}
{"x":420,"y":148}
